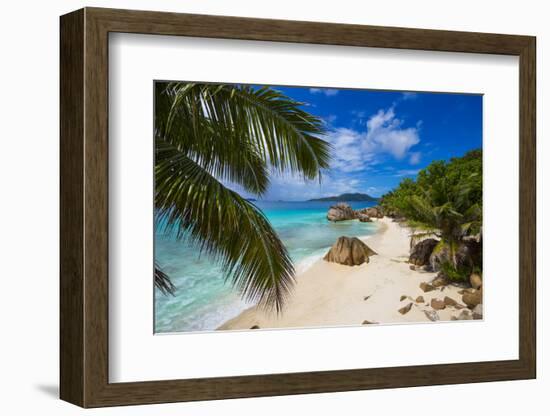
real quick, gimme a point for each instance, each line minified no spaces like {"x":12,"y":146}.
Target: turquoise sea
{"x":203,"y":301}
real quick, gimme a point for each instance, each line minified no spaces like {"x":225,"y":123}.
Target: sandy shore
{"x":329,"y":294}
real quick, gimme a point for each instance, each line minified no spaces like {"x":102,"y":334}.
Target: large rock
{"x":467,"y":254}
{"x":421,"y":252}
{"x":349,"y":251}
{"x":374,"y":212}
{"x":341,"y":212}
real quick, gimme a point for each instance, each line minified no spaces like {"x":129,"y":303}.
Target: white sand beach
{"x":330,"y":294}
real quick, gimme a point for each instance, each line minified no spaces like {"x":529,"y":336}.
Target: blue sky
{"x":381,"y":137}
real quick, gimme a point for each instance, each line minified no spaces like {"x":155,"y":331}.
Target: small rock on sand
{"x":405,"y":309}
{"x":449,"y":301}
{"x":437,"y":304}
{"x":439,"y":281}
{"x":477,"y":312}
{"x":463,"y":316}
{"x":432,"y":315}
{"x":366,"y":322}
{"x":420,"y":299}
{"x":426,"y":287}
{"x":402,"y":298}
{"x":255,"y":327}
{"x":473,"y":299}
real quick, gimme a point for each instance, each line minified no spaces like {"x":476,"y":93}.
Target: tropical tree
{"x":209,"y":138}
{"x":445,"y":201}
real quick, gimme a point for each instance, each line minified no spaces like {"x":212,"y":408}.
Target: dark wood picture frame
{"x":84,"y":207}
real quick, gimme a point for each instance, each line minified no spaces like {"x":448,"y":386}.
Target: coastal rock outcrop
{"x":349,"y":251}
{"x":421,"y":252}
{"x":341,"y":212}
{"x":374,"y":212}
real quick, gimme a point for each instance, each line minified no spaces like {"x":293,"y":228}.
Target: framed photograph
{"x":256,"y":207}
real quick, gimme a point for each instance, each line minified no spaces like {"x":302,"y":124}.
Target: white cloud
{"x":329,"y":92}
{"x":357,"y":150}
{"x":385,"y":132}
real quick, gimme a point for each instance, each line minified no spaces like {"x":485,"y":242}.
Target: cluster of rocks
{"x":344,"y":212}
{"x":349,"y":251}
{"x":430,"y":254}
{"x":472,"y":298}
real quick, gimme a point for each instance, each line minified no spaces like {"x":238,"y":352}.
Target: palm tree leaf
{"x":163,"y":282}
{"x":194,"y":204}
{"x":279,"y":131}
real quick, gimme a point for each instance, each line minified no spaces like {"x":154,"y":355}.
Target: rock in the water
{"x":475,"y":280}
{"x":426,"y":287}
{"x":366,"y":322}
{"x":420,"y":299}
{"x":473,"y":299}
{"x":340,"y":212}
{"x":374,"y":212}
{"x":477,"y":312}
{"x":349,"y":251}
{"x":421,"y":252}
{"x":363,"y":217}
{"x":449,"y":301}
{"x":437,"y":304}
{"x":412,"y":267}
{"x":405,"y":309}
{"x":432,"y":315}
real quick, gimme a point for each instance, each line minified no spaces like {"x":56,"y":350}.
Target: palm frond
{"x":191,"y":202}
{"x":163,"y":282}
{"x":274,"y":125}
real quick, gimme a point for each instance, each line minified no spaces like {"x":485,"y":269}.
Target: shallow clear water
{"x":203,"y":301}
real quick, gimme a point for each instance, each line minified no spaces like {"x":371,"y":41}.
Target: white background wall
{"x":29,"y":208}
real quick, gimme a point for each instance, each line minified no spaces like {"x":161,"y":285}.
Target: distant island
{"x":347,"y":198}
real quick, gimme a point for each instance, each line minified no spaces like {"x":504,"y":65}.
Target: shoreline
{"x":330,"y":294}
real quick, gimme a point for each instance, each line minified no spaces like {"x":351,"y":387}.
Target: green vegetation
{"x":446,"y":201}
{"x":348,"y":198}
{"x":207,"y":136}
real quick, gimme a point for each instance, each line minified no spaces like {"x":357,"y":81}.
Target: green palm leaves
{"x":209,"y":137}
{"x":445,"y":199}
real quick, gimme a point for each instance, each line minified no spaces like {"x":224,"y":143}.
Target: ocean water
{"x":203,"y":301}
